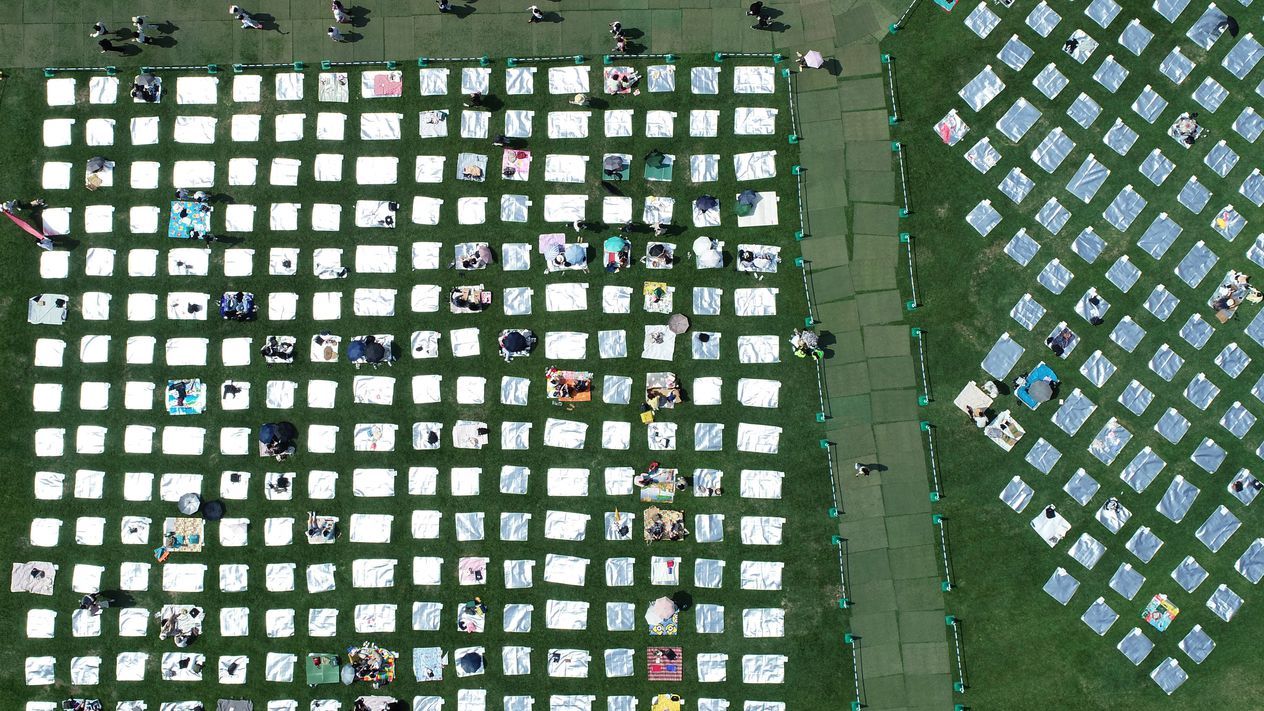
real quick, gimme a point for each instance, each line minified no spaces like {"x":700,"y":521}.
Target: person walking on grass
{"x":444,"y":5}
{"x":862,"y":469}
{"x":341,"y":16}
{"x":98,"y":30}
{"x":335,"y":34}
{"x":536,"y":14}
{"x":621,"y":44}
{"x":247,"y":22}
{"x":762,"y":23}
{"x":141,"y":24}
{"x":616,"y":28}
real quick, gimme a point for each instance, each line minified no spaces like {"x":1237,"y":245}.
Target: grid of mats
{"x":390,"y":502}
{"x":1150,"y":222}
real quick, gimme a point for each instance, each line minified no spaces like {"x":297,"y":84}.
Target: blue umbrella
{"x":576,"y":254}
{"x":355,"y":350}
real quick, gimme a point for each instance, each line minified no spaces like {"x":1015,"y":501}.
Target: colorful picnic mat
{"x":187,"y":216}
{"x":665,"y":663}
{"x":1160,"y":612}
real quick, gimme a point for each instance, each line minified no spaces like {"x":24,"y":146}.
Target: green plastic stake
{"x":836,"y":540}
{"x":934,"y":496}
{"x":892,"y":120}
{"x":607,"y":59}
{"x":793,"y":138}
{"x":855,"y":706}
{"x":848,"y":637}
{"x":915,"y":332}
{"x":391,"y":64}
{"x":937,"y":519}
{"x":484,"y":61}
{"x":49,"y":73}
{"x":670,"y":59}
{"x":798,"y":262}
{"x":950,"y":620}
{"x":777,"y":59}
{"x":212,"y":69}
{"x":823,"y":443}
{"x":905,"y":237}
{"x":579,"y":59}
{"x":911,"y":305}
{"x":895,"y":146}
{"x":299,"y":66}
{"x":958,"y":707}
{"x":798,"y":236}
{"x":923,"y":401}
{"x":785,"y":73}
{"x":796,"y":169}
{"x":833,"y":512}
{"x":887,"y":58}
{"x":959,"y":687}
{"x":239,"y":68}
{"x":719,"y":56}
{"x":143,"y":70}
{"x":422,"y":62}
{"x":844,"y":603}
{"x":893,"y":28}
{"x":904,"y":212}
{"x":945,"y":586}
{"x":820,"y":417}
{"x":809,"y":321}
{"x":111,"y":70}
{"x":326,"y":64}
{"x":924,"y":425}
{"x":511,"y":62}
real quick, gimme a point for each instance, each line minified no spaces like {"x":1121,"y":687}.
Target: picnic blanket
{"x":1160,"y":612}
{"x":194,"y":402}
{"x":665,"y":663}
{"x":516,"y":164}
{"x":187,"y":216}
{"x":577,"y":384}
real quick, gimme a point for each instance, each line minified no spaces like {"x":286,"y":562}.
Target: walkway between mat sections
{"x":893,"y":572}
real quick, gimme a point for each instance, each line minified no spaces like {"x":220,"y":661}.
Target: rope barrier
{"x":899,"y":24}
{"x":960,"y":685}
{"x":854,"y":643}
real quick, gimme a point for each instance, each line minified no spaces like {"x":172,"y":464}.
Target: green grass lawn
{"x":1022,"y":649}
{"x":810,"y":576}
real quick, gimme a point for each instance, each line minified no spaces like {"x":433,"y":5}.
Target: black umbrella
{"x":707,"y":202}
{"x":374,"y":352}
{"x":212,"y":510}
{"x":1231,"y":24}
{"x":514,"y":342}
{"x":286,"y":431}
{"x":470,"y":662}
{"x":748,"y":197}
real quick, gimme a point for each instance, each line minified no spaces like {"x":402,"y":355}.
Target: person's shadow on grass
{"x":359,"y":15}
{"x":461,"y":11}
{"x":268,"y":22}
